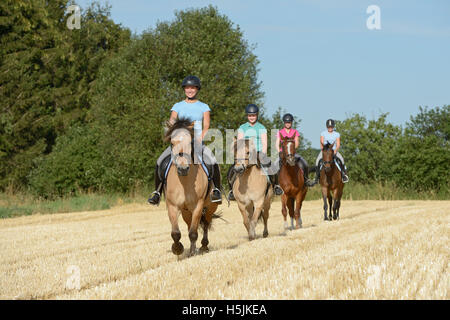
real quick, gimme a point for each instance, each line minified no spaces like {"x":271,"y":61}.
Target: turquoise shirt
{"x":253,"y":132}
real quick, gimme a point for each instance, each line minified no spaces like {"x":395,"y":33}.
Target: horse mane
{"x":327,"y":146}
{"x":180,"y":123}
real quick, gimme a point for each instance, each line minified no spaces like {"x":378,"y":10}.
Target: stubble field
{"x":377,"y":250}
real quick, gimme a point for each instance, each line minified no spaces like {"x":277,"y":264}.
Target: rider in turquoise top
{"x":256,"y":131}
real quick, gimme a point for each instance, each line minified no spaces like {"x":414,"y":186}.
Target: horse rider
{"x":253,"y":129}
{"x":289,"y":132}
{"x":331,"y":136}
{"x":198,"y":112}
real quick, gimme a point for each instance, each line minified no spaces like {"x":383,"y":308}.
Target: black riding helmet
{"x":330,"y":123}
{"x":191,"y":81}
{"x":288,"y":118}
{"x":251,"y":109}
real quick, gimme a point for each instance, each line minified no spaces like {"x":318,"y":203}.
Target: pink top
{"x":292,"y":134}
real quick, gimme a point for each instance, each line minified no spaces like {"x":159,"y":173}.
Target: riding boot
{"x":316,"y":179}
{"x":155,"y":197}
{"x":343,"y":171}
{"x":276,"y":187}
{"x":231,"y":177}
{"x":216,"y":195}
{"x":305,"y":168}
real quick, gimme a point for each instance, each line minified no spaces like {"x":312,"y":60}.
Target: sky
{"x":319,"y":59}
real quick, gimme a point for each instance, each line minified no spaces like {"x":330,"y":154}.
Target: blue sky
{"x":318,"y":59}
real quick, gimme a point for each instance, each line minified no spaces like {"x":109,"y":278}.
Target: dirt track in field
{"x":377,"y":250}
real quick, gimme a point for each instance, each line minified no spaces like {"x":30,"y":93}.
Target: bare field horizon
{"x":377,"y":250}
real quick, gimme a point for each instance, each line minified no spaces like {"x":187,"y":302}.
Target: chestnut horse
{"x":187,"y":188}
{"x":251,"y":188}
{"x":331,"y":183}
{"x":291,"y":178}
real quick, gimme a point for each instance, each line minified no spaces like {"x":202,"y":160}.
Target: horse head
{"x":180,"y":134}
{"x":327,"y":156}
{"x":288,"y":150}
{"x":244,"y":154}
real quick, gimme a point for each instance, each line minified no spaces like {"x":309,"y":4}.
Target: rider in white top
{"x":332,"y":137}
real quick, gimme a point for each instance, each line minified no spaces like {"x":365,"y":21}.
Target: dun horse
{"x":187,"y":189}
{"x":292,"y":182}
{"x":331,"y":183}
{"x":251,"y":188}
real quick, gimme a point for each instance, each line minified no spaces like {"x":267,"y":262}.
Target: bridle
{"x":246,"y":158}
{"x":289,"y":156}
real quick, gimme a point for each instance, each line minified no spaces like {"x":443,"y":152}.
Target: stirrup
{"x":230,"y":196}
{"x":211,"y":195}
{"x":311,"y":183}
{"x":280,"y":190}
{"x":345,"y":178}
{"x":151,"y":201}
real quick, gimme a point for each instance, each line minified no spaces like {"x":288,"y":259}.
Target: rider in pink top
{"x":292,"y":133}
{"x":289,"y":132}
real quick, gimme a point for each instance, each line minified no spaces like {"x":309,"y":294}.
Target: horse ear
{"x":166,"y":129}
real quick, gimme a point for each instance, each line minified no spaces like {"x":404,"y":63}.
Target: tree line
{"x":84,"y":109}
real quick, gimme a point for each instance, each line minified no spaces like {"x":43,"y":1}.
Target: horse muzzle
{"x":239,"y":169}
{"x":291,"y":161}
{"x":183,"y":171}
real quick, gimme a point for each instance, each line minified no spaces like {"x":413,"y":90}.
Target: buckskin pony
{"x":187,"y":188}
{"x":251,"y":188}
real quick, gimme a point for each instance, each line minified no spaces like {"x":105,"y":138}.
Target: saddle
{"x":163,"y":169}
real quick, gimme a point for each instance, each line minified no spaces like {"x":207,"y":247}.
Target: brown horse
{"x":331,"y":182}
{"x":251,"y":188}
{"x":291,"y":178}
{"x":187,"y":188}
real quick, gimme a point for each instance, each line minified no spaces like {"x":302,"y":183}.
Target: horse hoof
{"x":177,"y":248}
{"x":204,"y":250}
{"x":192,"y":252}
{"x":265,"y":234}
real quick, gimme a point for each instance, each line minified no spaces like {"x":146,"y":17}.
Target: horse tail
{"x":207,"y":225}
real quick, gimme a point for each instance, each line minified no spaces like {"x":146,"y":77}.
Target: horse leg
{"x":258,"y":206}
{"x":291,"y":207}
{"x":245,"y":215}
{"x":298,"y":207}
{"x":284,"y":199}
{"x":177,"y":247}
{"x":265,"y":214}
{"x":325,"y":205}
{"x":334,"y":209}
{"x":330,"y":204}
{"x":338,"y":196}
{"x":193,"y":230}
{"x":205,"y":222}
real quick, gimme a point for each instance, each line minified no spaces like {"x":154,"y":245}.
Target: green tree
{"x":135,"y":90}
{"x":367,"y":147}
{"x":421,"y":158}
{"x":47,"y":72}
